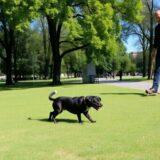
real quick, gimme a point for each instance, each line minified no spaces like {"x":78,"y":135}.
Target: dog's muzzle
{"x":97,"y":106}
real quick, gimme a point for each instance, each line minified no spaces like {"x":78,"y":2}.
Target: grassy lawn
{"x":127,"y":126}
{"x":135,"y":78}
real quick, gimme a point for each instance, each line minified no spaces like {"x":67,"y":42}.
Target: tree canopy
{"x":93,"y":26}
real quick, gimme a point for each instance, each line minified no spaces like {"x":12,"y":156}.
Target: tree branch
{"x":78,"y":4}
{"x":74,"y":49}
{"x":143,"y":32}
{"x":70,"y":42}
{"x":78,"y":15}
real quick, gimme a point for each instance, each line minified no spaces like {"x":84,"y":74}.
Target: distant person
{"x":120,"y":75}
{"x":155,"y":54}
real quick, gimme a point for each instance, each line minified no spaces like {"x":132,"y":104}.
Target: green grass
{"x":127,"y":126}
{"x":134,"y":78}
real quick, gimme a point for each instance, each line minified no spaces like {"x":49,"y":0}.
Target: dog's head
{"x":93,"y":101}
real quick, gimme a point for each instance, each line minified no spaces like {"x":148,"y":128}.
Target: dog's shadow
{"x":57,"y":120}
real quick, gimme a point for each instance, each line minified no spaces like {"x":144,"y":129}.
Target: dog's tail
{"x":51,"y":94}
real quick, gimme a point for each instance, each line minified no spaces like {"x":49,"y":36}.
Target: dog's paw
{"x":93,"y":121}
{"x":49,"y":119}
{"x":54,"y":121}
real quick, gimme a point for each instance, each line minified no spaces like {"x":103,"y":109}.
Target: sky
{"x":131,"y":43}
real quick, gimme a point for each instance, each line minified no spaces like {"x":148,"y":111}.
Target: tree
{"x":72,"y":25}
{"x":46,"y":47}
{"x":141,"y":31}
{"x":144,"y":30}
{"x":150,"y":9}
{"x":86,"y":23}
{"x":137,"y":60}
{"x":14,"y":15}
{"x":73,"y":63}
{"x":29,"y":45}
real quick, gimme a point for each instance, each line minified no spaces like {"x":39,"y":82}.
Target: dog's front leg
{"x":79,"y":118}
{"x":89,"y":117}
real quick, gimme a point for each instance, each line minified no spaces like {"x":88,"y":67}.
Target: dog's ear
{"x":98,"y":98}
{"x":93,"y":98}
{"x":88,"y":100}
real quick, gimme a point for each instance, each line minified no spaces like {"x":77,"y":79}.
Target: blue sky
{"x":132,"y":44}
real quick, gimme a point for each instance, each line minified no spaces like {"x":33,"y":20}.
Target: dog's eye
{"x":92,"y":100}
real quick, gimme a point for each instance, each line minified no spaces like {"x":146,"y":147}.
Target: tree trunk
{"x":15,"y":48}
{"x":54,"y":39}
{"x":56,"y":71}
{"x":15,"y":65}
{"x":151,"y":40}
{"x":144,"y":63}
{"x":46,"y":66}
{"x":9,"y":52}
{"x":9,"y":68}
{"x":144,"y":57}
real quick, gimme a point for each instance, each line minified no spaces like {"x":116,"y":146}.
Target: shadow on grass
{"x":25,"y":85}
{"x":36,"y":84}
{"x":57,"y":120}
{"x":132,"y":93}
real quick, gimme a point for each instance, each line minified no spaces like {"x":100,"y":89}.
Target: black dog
{"x":75,"y":105}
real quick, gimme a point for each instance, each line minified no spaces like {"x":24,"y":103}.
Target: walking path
{"x":134,"y":85}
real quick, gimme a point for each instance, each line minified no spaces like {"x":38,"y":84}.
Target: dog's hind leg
{"x":50,"y":116}
{"x":79,"y":118}
{"x":57,"y":109}
{"x":89,"y":117}
{"x":54,"y":114}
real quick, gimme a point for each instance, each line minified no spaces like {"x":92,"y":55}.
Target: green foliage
{"x":126,"y":64}
{"x":77,"y":24}
{"x":30,"y":55}
{"x":137,"y":61}
{"x":73,"y":63}
{"x":93,"y":21}
{"x":100,"y":23}
{"x":131,"y":10}
{"x":19,"y":13}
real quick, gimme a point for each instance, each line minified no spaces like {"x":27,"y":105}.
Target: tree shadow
{"x":36,"y":84}
{"x":25,"y":85}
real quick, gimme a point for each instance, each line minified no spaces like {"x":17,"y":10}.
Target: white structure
{"x":89,"y":73}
